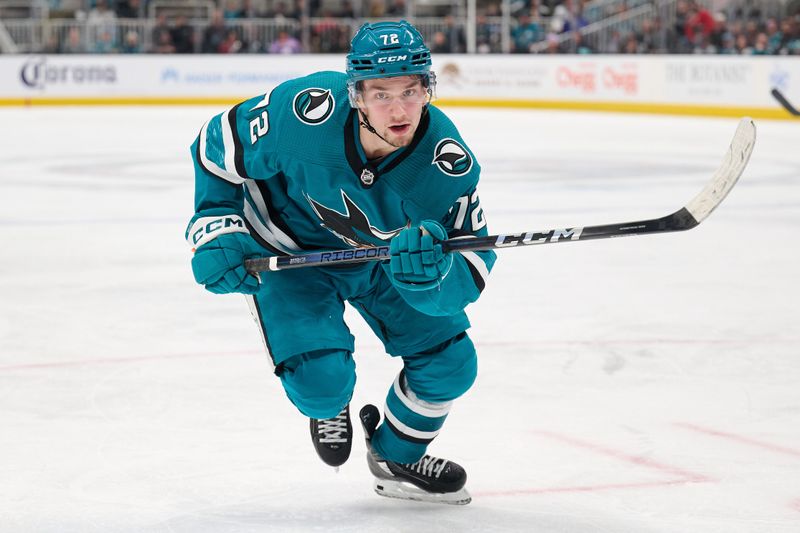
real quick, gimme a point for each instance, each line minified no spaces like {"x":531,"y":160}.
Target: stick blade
{"x":727,"y":174}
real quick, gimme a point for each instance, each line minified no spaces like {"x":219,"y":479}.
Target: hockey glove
{"x":417,"y":256}
{"x":222,"y":245}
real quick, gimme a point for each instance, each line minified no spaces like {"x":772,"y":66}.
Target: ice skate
{"x":431,"y":479}
{"x":333,"y":438}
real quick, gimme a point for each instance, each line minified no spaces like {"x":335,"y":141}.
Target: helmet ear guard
{"x":388,"y":49}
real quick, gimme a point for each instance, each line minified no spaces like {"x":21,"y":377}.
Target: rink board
{"x":693,"y":85}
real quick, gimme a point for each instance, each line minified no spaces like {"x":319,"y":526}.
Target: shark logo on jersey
{"x":452,"y":158}
{"x":352,"y":226}
{"x":313,"y":106}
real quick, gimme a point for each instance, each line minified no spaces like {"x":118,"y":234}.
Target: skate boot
{"x":431,"y":479}
{"x":333,"y":437}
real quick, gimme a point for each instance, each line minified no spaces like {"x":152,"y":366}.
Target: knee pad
{"x":444,"y":372}
{"x":320,"y":383}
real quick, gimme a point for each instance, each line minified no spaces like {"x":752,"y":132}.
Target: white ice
{"x":646,"y":384}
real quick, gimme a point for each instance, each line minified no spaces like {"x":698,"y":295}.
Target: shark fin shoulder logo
{"x":313,"y":106}
{"x":452,"y":158}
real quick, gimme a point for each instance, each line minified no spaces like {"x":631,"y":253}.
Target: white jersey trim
{"x":261,"y":208}
{"x":476,"y":261}
{"x":251,"y":303}
{"x":261,"y":230}
{"x":227,"y":141}
{"x":210,"y":165}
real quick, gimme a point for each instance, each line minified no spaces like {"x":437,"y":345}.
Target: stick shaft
{"x":687,"y":217}
{"x":785,"y":103}
{"x":678,"y":221}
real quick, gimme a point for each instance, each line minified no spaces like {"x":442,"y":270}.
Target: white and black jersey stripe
{"x":255,"y":310}
{"x":475,"y":263}
{"x":228,"y":161}
{"x":258,"y":217}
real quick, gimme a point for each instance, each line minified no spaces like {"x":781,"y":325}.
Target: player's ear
{"x":360,"y":102}
{"x":355,"y":93}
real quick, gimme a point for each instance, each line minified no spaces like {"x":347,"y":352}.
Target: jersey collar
{"x":357,"y":159}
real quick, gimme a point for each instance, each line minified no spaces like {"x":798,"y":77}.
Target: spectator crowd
{"x":536,"y":26}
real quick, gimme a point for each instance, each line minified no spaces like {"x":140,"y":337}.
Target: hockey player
{"x":332,"y":161}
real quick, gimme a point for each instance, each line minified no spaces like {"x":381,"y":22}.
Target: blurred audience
{"x":232,"y":43}
{"x":161,"y":35}
{"x":285,"y":44}
{"x":536,"y":26}
{"x":73,"y":42}
{"x":214,"y":34}
{"x":128,"y":9}
{"x":526,"y":33}
{"x":182,"y":35}
{"x":131,"y":43}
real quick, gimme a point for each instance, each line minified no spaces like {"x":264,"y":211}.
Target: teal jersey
{"x":290,"y":162}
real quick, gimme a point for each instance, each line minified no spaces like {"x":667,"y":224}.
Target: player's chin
{"x":402,"y":139}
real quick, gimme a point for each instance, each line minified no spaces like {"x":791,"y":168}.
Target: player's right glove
{"x":222,"y":243}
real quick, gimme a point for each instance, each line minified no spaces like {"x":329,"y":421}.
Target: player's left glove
{"x":417,"y":256}
{"x":221,"y":244}
{"x":219,"y":265}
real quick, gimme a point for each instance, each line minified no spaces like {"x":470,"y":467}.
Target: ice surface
{"x":646,"y":384}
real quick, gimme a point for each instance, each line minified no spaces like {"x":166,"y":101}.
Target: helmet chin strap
{"x":364,"y":122}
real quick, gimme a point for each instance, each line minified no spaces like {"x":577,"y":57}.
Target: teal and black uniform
{"x":288,"y":168}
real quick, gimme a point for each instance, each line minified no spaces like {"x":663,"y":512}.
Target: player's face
{"x":394,"y":107}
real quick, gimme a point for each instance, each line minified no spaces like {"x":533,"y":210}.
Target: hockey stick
{"x":785,"y":103}
{"x":687,"y":217}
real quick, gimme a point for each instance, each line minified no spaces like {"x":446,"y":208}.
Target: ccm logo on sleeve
{"x":206,"y":229}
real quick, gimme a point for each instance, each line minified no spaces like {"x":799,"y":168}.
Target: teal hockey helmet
{"x":386,"y":49}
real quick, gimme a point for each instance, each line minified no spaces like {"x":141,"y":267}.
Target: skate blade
{"x":407,"y":491}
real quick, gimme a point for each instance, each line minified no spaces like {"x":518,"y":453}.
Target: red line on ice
{"x":635,"y":342}
{"x":480,"y":344}
{"x":633,"y":459}
{"x":583,"y":488}
{"x":135,"y":359}
{"x":683,"y":476}
{"x":739,"y":438}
